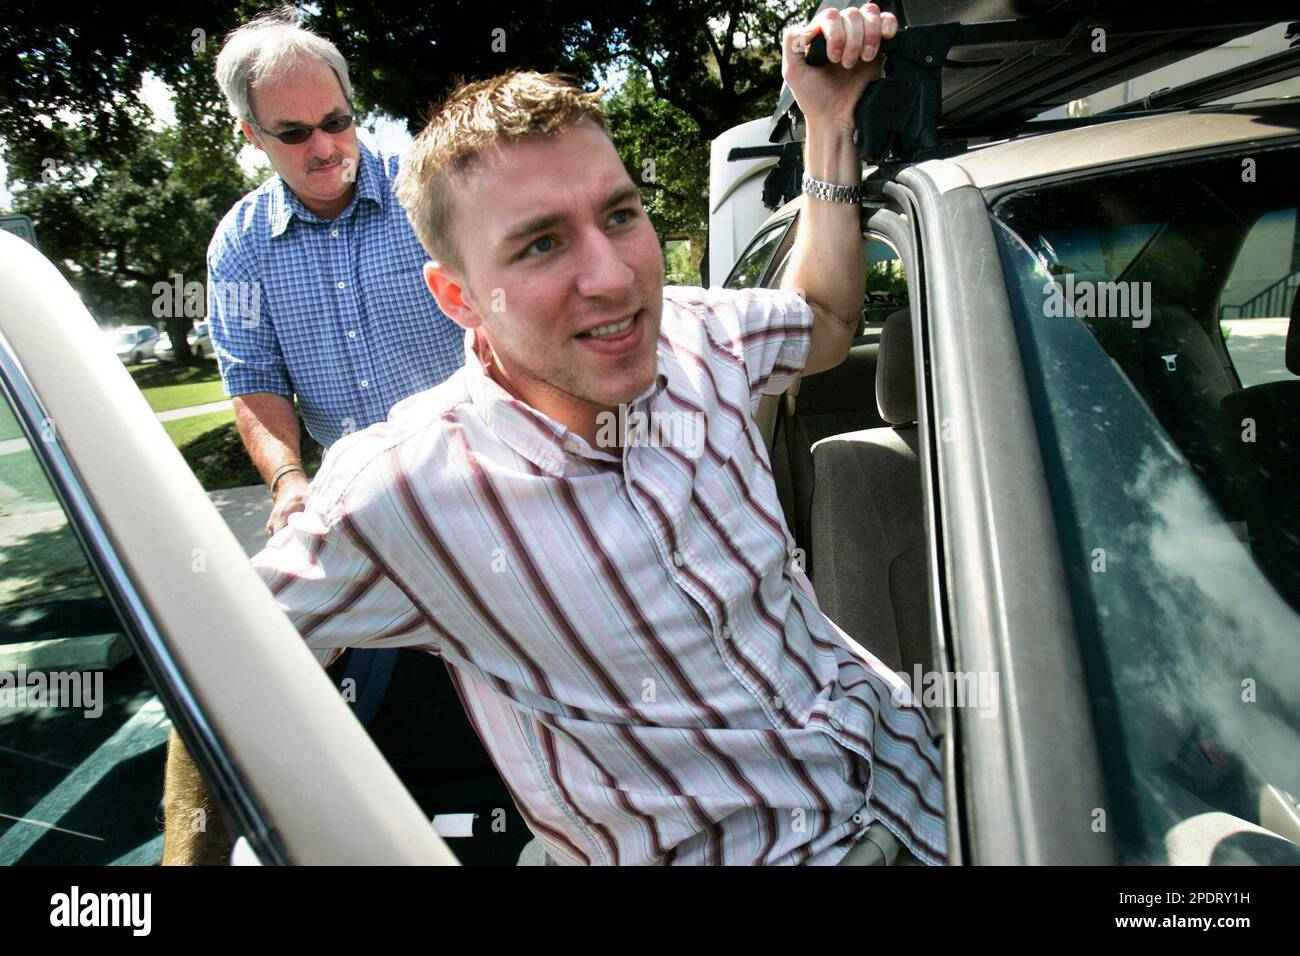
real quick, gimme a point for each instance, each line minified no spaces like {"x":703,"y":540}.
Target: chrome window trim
{"x":764,"y":231}
{"x":147,"y":641}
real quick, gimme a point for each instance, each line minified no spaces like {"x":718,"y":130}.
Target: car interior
{"x":1191,"y":252}
{"x":847,"y":470}
{"x":1219,"y":261}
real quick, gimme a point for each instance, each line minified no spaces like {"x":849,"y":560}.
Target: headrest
{"x":895,"y":373}
{"x":1293,"y":337}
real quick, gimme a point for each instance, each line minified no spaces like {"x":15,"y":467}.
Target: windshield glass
{"x":1173,"y":482}
{"x":749,"y":269}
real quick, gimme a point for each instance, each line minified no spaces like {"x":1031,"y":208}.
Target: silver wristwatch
{"x":831,"y":192}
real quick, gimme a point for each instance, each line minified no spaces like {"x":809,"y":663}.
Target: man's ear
{"x":247,"y":127}
{"x":449,"y":290}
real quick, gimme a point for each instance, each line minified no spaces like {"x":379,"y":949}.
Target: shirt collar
{"x":539,"y":438}
{"x":285,"y":205}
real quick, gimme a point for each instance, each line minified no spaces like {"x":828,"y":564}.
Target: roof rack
{"x":1249,"y":76}
{"x":947,"y":81}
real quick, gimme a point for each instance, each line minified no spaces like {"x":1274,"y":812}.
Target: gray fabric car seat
{"x":868,"y":527}
{"x":1183,"y":375}
{"x":1270,"y":474}
{"x":1187,"y":379}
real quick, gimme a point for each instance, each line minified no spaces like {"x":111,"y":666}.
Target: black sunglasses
{"x":295,"y":135}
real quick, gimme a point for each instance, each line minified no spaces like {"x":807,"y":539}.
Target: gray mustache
{"x":320,"y":163}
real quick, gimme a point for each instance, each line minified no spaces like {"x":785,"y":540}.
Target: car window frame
{"x":133,"y":615}
{"x":786,"y":222}
{"x":1032,"y":805}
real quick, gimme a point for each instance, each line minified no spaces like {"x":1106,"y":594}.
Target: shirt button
{"x":334,"y":233}
{"x":364,"y":383}
{"x":678,"y":559}
{"x":777,"y":702}
{"x":857,"y":819}
{"x":352,"y":333}
{"x":342,"y":284}
{"x":726,"y":632}
{"x":836,"y":725}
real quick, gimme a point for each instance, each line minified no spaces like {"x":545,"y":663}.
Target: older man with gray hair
{"x":315,"y":282}
{"x":316,"y":291}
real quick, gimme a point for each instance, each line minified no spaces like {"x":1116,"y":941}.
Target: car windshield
{"x":1152,"y":308}
{"x":125,"y":338}
{"x":749,"y":269}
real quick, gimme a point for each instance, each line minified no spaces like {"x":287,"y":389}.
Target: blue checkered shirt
{"x":336,"y":313}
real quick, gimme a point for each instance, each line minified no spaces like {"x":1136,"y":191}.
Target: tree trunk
{"x":178,"y":329}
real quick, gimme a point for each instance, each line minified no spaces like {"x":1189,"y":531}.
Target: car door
{"x":1023,"y":777}
{"x":1087,"y":558}
{"x":181,"y":629}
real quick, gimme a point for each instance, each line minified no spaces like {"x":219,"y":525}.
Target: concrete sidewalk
{"x":192,"y":410}
{"x":245,"y":510}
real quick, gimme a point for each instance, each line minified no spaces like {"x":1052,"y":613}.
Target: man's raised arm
{"x":828,"y":262}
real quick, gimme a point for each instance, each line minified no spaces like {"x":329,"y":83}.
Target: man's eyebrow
{"x":536,"y":224}
{"x":547,"y":220}
{"x":622,"y":195}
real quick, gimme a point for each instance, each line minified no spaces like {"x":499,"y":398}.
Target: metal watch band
{"x":832,"y":192}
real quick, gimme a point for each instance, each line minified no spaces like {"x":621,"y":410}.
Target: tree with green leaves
{"x":131,"y":233}
{"x":404,"y":57}
{"x":665,"y":156}
{"x":121,"y":205}
{"x":74,"y":66}
{"x":682,"y":71}
{"x":718,"y":61}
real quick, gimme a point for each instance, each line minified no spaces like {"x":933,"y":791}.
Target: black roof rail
{"x":1239,"y":79}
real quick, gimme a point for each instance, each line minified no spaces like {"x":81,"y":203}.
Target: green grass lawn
{"x":167,"y":386}
{"x":185,"y":430}
{"x":23,"y":485}
{"x":209,"y":442}
{"x":164,"y":387}
{"x":212,"y":448}
{"x":8,"y":423}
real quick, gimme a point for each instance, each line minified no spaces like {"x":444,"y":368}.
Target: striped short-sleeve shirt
{"x":629,"y":635}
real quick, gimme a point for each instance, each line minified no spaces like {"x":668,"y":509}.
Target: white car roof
{"x":1105,"y":143}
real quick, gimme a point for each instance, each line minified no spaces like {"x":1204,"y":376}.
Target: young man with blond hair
{"x":653,"y":679}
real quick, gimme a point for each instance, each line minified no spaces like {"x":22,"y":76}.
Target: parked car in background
{"x":198,"y":338}
{"x":133,"y":343}
{"x":1042,"y":470}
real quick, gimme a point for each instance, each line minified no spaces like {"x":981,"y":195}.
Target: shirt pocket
{"x":398,"y":291}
